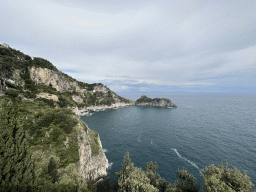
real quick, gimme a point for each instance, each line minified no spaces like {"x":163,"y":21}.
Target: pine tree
{"x":132,"y":178}
{"x":16,"y":167}
{"x":224,"y":178}
{"x":186,"y":183}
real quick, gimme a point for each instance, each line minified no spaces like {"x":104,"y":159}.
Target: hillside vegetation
{"x":16,"y":66}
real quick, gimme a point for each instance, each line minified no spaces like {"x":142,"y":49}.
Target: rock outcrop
{"x":101,"y":88}
{"x":47,"y":96}
{"x":90,"y":166}
{"x":156,"y":102}
{"x":52,"y":78}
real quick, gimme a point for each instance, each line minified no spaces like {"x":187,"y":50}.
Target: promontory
{"x":156,"y":102}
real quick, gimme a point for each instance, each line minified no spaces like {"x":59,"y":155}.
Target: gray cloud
{"x":145,"y":44}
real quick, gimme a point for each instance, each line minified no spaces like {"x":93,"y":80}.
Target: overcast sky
{"x":140,"y":46}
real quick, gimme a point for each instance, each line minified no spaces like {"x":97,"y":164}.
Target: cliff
{"x":48,"y":91}
{"x":40,"y":79}
{"x":156,"y":102}
{"x":91,"y":166}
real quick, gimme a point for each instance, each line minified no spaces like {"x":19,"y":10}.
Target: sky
{"x":140,"y":46}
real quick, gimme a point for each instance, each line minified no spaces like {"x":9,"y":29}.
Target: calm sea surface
{"x":203,"y":130}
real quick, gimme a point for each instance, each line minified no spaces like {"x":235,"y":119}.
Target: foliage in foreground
{"x":217,"y":179}
{"x":16,"y":166}
{"x":223,"y":178}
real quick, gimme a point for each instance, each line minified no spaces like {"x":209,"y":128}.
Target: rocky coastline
{"x":86,"y":111}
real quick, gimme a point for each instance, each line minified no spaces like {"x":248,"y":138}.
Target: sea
{"x":204,"y":129}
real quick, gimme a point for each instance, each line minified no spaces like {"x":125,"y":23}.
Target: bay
{"x":202,"y":130}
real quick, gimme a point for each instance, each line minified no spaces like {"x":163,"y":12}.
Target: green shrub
{"x":43,"y":101}
{"x":12,"y":93}
{"x":224,"y":178}
{"x":29,"y":94}
{"x":60,"y":117}
{"x":95,"y":147}
{"x":84,"y":125}
{"x":68,"y":154}
{"x":89,"y":87}
{"x":4,"y":51}
{"x":51,"y":128}
{"x":42,"y":63}
{"x":65,"y":101}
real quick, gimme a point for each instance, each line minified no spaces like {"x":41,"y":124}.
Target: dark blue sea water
{"x":203,"y":130}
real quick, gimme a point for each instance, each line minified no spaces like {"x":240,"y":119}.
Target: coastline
{"x":86,"y":111}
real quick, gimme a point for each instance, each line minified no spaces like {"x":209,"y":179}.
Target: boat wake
{"x":192,"y":163}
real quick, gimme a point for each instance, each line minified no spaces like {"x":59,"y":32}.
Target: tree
{"x":12,"y":93}
{"x":53,"y":167}
{"x":223,"y":178}
{"x":150,"y":170}
{"x":186,"y":183}
{"x":132,"y":178}
{"x":137,"y":181}
{"x":16,"y":166}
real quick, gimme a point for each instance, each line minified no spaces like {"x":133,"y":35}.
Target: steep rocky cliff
{"x":90,"y":166}
{"x":39,"y":83}
{"x":39,"y":75}
{"x":52,"y":78}
{"x":156,"y":102}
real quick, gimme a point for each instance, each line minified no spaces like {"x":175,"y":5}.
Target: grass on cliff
{"x":95,"y":147}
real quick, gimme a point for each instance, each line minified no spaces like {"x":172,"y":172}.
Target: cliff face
{"x":90,"y":166}
{"x":52,"y":78}
{"x":156,"y":102}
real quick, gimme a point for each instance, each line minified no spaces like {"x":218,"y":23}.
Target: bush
{"x":65,"y":101}
{"x":95,"y":147}
{"x":59,"y":117}
{"x":49,"y":102}
{"x":29,"y":94}
{"x":4,"y":51}
{"x":89,"y":87}
{"x":223,"y":178}
{"x":12,"y":93}
{"x":42,"y":63}
{"x":68,"y":154}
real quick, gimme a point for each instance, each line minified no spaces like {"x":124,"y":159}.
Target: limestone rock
{"x":5,"y":45}
{"x":77,"y":99}
{"x":91,"y":167}
{"x":47,"y":96}
{"x":101,"y":88}
{"x":52,"y":78}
